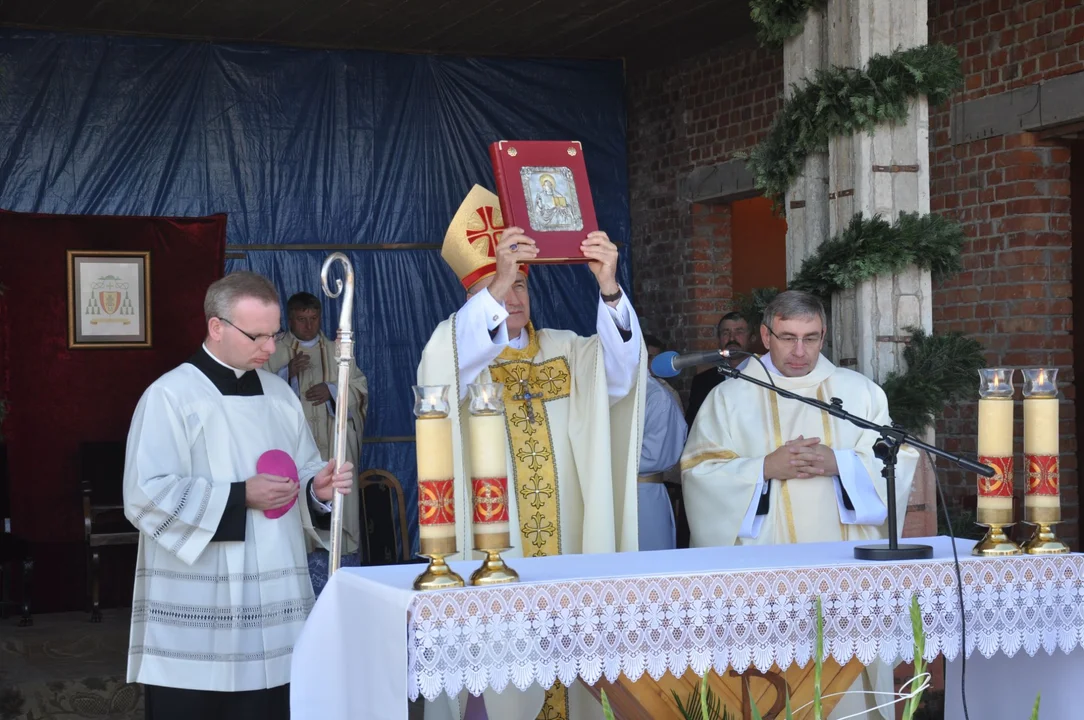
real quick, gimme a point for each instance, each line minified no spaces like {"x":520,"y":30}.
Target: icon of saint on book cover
{"x":552,"y":205}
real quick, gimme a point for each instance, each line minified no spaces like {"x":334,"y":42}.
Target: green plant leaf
{"x":607,"y":711}
{"x":753,"y":704}
{"x":919,"y":633}
{"x":1035,"y":710}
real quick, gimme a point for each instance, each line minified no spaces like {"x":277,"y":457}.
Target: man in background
{"x":733,"y":333}
{"x":306,"y":359}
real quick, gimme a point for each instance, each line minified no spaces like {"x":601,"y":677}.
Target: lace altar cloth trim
{"x":523,"y":634}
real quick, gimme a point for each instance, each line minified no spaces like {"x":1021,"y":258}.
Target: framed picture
{"x":109,"y":299}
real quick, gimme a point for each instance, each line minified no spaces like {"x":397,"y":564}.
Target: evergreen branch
{"x":841,"y":101}
{"x":752,"y":306}
{"x":940,"y":369}
{"x":779,"y":20}
{"x":872,"y":246}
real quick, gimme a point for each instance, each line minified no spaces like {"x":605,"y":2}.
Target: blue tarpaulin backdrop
{"x":302,"y":147}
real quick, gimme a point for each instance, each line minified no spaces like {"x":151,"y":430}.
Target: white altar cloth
{"x":371,"y":642}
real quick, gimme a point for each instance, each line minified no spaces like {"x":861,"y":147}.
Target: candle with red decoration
{"x":1042,"y":498}
{"x":436,"y":473}
{"x":996,"y":416}
{"x":489,"y":467}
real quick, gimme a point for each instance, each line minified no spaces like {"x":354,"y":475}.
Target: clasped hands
{"x":319,"y":393}
{"x":514,"y":248}
{"x":799,"y":459}
{"x":267,"y":492}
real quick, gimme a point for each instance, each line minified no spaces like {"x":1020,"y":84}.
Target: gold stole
{"x":784,"y":492}
{"x":528,"y":386}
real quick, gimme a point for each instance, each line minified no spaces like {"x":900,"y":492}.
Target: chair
{"x":383,"y":506}
{"x":101,"y":474}
{"x":14,"y":553}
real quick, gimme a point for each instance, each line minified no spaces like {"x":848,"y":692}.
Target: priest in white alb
{"x":574,"y":409}
{"x":306,"y":359}
{"x":223,"y":481}
{"x":760,"y":469}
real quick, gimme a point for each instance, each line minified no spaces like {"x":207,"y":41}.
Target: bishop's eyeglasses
{"x":258,"y":339}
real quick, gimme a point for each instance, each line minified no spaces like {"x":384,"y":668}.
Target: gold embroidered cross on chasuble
{"x":528,"y":386}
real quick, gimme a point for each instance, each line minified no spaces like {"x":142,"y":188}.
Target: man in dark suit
{"x":733,"y":332}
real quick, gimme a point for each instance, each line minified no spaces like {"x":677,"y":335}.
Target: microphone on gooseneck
{"x":670,"y":363}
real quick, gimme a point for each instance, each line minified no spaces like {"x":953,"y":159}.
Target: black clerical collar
{"x":224,"y":378}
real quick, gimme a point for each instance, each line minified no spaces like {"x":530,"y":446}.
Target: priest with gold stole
{"x":306,"y":359}
{"x":760,"y":469}
{"x":574,"y":409}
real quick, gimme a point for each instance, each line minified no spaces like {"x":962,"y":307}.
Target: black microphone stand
{"x":886,"y":449}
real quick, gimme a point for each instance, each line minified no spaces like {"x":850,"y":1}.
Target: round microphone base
{"x":885,"y":553}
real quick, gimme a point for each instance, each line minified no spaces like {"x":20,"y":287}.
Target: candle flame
{"x":997,"y":381}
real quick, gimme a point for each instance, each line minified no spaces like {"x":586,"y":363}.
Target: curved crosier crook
{"x":344,"y":342}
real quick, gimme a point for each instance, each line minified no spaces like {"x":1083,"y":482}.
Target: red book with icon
{"x":543,"y":189}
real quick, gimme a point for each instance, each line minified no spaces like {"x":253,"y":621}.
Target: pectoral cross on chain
{"x":526,"y":396}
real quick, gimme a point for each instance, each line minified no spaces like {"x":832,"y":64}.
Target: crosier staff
{"x":344,"y":350}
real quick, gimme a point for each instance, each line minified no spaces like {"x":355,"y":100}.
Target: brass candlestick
{"x":489,"y":484}
{"x":493,"y":570}
{"x":438,"y":575}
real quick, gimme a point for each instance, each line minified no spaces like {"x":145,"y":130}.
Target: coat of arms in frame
{"x":109,"y":299}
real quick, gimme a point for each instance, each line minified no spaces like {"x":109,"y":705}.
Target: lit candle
{"x":436,"y":473}
{"x":489,"y":468}
{"x":1042,"y":499}
{"x":995,"y":494}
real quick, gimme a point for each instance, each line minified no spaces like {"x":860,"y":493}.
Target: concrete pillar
{"x":884,"y":173}
{"x":807,"y":197}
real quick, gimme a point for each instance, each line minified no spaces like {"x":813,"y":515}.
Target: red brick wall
{"x":680,"y":117}
{"x":1011,"y":194}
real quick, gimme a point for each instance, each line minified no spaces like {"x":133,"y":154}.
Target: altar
{"x":372,"y":642}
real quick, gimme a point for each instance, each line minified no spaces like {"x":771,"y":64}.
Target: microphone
{"x":670,"y":363}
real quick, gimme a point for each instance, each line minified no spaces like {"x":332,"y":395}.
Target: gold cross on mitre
{"x":470,"y":242}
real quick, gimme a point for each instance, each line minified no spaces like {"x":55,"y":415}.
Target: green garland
{"x":844,"y":101}
{"x":941,"y":369}
{"x":778,"y":20}
{"x":872,"y":246}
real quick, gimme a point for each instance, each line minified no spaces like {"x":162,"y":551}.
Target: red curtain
{"x":59,"y":397}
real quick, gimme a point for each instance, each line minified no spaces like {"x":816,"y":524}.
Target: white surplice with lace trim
{"x":218,"y":616}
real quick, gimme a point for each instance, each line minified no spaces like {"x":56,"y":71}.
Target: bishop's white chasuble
{"x":323,"y":369}
{"x":722,"y":472}
{"x":209,"y":614}
{"x":572,"y":460}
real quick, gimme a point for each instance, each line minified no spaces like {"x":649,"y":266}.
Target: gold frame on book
{"x":109,"y":299}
